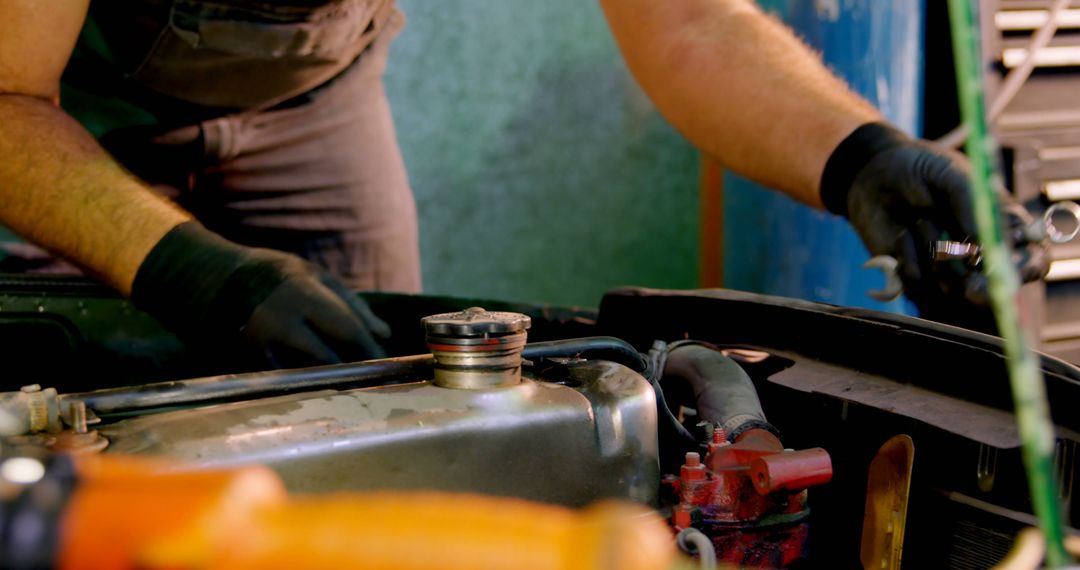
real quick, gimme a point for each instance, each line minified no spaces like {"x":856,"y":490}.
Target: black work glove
{"x":901,"y":195}
{"x":275,"y":306}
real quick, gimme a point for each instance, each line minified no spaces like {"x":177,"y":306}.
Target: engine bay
{"x":787,"y":433}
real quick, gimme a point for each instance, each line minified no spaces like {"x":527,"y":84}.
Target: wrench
{"x":1041,"y":229}
{"x":942,"y":250}
{"x":893,"y":286}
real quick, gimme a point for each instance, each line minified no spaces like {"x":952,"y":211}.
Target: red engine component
{"x":749,"y":497}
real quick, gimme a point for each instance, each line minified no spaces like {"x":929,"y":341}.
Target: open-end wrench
{"x":1038,"y":230}
{"x":894,"y":287}
{"x":941,"y":251}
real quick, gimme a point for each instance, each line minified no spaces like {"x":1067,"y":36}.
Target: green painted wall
{"x":541,"y":171}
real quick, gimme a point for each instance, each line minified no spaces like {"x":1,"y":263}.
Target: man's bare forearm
{"x":740,"y":86}
{"x":61,"y":190}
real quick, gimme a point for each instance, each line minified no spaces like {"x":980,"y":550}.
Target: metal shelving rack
{"x":1041,"y":126}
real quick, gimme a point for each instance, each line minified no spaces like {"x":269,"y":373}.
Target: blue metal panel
{"x":776,"y":246}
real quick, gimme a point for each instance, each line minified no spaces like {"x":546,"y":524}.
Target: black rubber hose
{"x":593,"y":347}
{"x":673,"y":438}
{"x":252,"y":384}
{"x":358,"y":374}
{"x":723,"y":392}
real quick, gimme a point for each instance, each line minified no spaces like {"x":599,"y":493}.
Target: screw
{"x":693,"y":459}
{"x":719,"y":439}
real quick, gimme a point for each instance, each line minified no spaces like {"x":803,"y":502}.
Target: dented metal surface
{"x":536,"y":440}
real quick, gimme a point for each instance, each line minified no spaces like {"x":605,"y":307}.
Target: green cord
{"x":1029,"y":392}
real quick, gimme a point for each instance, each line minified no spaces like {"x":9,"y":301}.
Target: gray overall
{"x":266,"y":120}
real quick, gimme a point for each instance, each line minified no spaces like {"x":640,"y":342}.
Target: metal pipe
{"x":694,"y":542}
{"x":595,"y":347}
{"x":360,"y":374}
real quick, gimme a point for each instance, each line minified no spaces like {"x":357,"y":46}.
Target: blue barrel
{"x":776,"y":246}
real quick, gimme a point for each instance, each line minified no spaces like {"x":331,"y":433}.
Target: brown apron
{"x":268,"y":121}
{"x":236,"y":54}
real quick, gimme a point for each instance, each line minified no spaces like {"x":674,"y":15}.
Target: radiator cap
{"x":475,"y":349}
{"x":475,"y":321}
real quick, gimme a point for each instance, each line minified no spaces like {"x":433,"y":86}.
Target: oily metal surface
{"x":535,"y":440}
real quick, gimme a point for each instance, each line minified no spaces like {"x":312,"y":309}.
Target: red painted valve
{"x":749,"y":497}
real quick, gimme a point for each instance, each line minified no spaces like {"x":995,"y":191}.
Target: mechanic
{"x":268,"y":122}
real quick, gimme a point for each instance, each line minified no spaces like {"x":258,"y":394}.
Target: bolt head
{"x":693,"y":470}
{"x":683,"y":516}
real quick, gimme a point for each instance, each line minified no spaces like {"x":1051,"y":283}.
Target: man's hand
{"x":278,"y":305}
{"x":902,"y":195}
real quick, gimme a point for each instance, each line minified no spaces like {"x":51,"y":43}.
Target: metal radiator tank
{"x":582,"y":431}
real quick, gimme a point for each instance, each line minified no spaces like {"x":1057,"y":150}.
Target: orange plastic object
{"x":121,"y":519}
{"x":121,"y":505}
